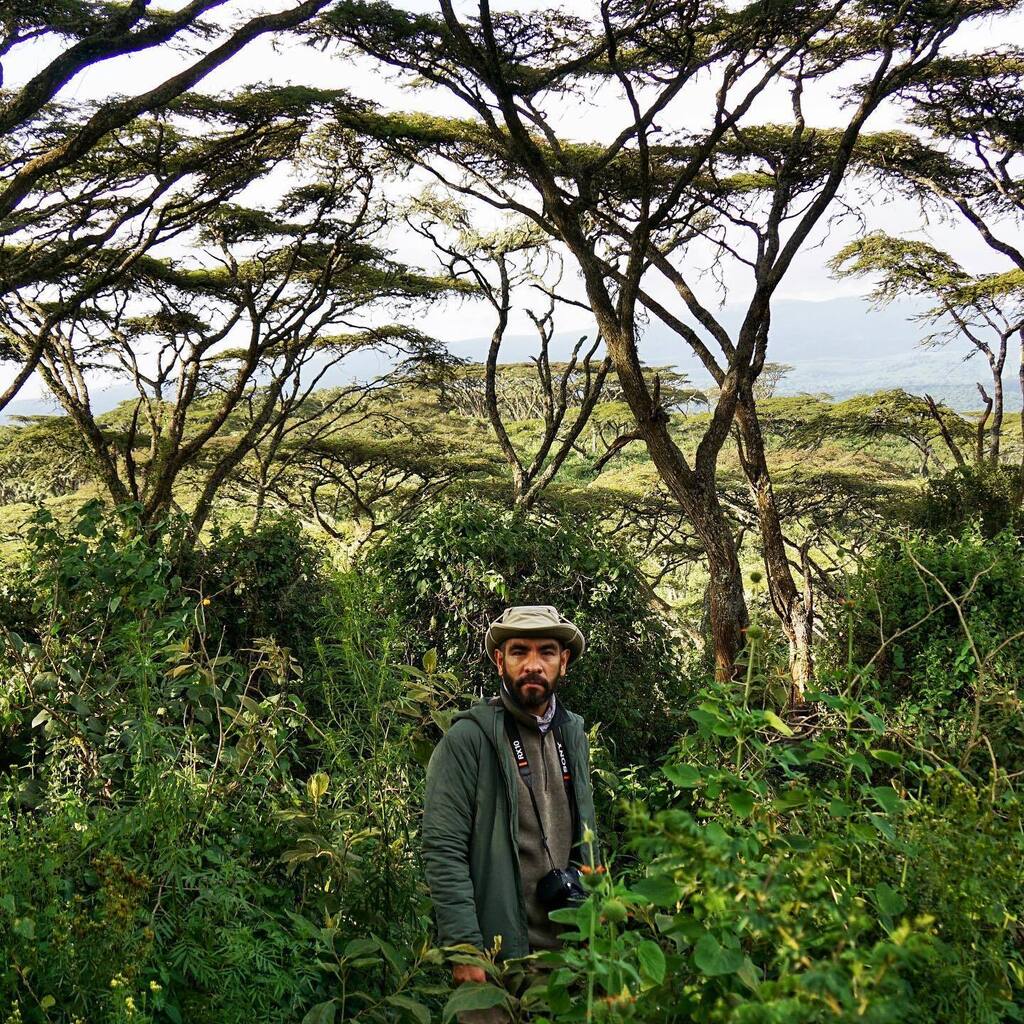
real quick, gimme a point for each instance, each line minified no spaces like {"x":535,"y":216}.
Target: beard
{"x":528,"y":697}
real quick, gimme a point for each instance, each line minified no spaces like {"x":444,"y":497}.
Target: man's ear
{"x":566,"y":654}
{"x":499,"y":659}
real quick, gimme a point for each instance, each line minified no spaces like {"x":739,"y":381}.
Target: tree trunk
{"x":980,"y":428}
{"x":696,"y":491}
{"x":1020,"y":379}
{"x":727,"y":601}
{"x":995,"y":430}
{"x":800,"y":634}
{"x":795,"y":609}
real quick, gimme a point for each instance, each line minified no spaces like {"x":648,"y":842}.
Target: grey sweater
{"x":556,"y":813}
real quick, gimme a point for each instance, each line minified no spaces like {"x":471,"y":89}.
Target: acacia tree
{"x":54,"y":210}
{"x":612,"y":426}
{"x":498,"y":264}
{"x":971,"y":109}
{"x":624,"y":206}
{"x":222,"y":345}
{"x":348,"y":476}
{"x":308,"y":447}
{"x":920,"y":422}
{"x":984,"y":310}
{"x":971,"y":158}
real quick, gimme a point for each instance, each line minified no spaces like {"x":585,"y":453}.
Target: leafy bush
{"x":988,"y":496}
{"x":458,"y":564}
{"x":828,"y":876}
{"x":266,"y":582}
{"x":941,"y":618}
{"x":182,"y":840}
{"x":177,"y":831}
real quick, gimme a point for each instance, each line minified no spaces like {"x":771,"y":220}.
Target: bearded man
{"x":508,"y":800}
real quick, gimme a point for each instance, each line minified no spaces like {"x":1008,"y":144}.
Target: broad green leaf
{"x":777,"y":723}
{"x":790,"y":798}
{"x":741,"y":802}
{"x":749,"y":974}
{"x":568,"y":915}
{"x":473,"y":996}
{"x":416,"y":1010}
{"x":887,"y":757}
{"x":883,"y":826}
{"x":360,"y":947}
{"x":685,"y":776}
{"x":889,"y":901}
{"x":652,"y":960}
{"x":393,"y":957}
{"x":705,"y":718}
{"x":317,"y":786}
{"x":876,"y":723}
{"x":839,"y":808}
{"x":888,"y":799}
{"x":712,"y":959}
{"x":322,"y":1013}
{"x":430,"y":661}
{"x":657,"y":889}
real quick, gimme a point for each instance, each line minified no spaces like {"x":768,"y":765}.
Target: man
{"x":486,"y":841}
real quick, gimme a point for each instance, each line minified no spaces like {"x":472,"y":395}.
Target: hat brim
{"x":566,"y":632}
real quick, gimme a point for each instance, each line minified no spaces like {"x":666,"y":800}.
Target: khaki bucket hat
{"x":533,"y":620}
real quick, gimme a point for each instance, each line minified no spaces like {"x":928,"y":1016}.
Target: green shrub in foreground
{"x":799,"y":880}
{"x":175,"y":828}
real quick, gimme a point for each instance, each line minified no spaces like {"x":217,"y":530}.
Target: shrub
{"x":827,"y":877}
{"x":270,"y":581}
{"x":934,"y":671}
{"x":175,"y":828}
{"x":988,"y":496}
{"x":457,"y":565}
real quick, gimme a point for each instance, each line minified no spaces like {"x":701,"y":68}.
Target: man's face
{"x":531,"y":668}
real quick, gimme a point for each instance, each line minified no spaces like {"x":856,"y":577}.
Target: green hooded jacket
{"x":471,"y":828}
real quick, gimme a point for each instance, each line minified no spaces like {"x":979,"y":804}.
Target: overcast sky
{"x":289,"y":61}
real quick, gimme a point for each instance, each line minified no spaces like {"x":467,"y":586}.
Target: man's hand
{"x":467,"y":972}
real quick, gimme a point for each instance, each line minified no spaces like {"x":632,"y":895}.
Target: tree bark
{"x":696,"y":492}
{"x":794,"y":608}
{"x":981,"y":427}
{"x":727,"y":601}
{"x":995,"y":429}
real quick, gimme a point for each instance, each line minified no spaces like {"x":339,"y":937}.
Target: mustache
{"x":537,"y":680}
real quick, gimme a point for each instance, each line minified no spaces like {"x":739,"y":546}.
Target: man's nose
{"x":533,"y":662}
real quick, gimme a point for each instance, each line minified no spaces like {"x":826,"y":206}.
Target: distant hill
{"x":841,"y":347}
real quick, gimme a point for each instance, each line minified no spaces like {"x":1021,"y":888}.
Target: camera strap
{"x":523,"y":767}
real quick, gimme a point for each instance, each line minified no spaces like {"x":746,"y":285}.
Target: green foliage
{"x":830,"y":875}
{"x":986,"y":495}
{"x":270,"y":581}
{"x":174,"y":821}
{"x":459,"y":563}
{"x":184,"y":838}
{"x":938,"y":619}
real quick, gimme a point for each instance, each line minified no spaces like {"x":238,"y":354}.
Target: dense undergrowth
{"x":211,"y":772}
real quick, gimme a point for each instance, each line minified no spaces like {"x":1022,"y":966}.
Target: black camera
{"x":560,"y":888}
